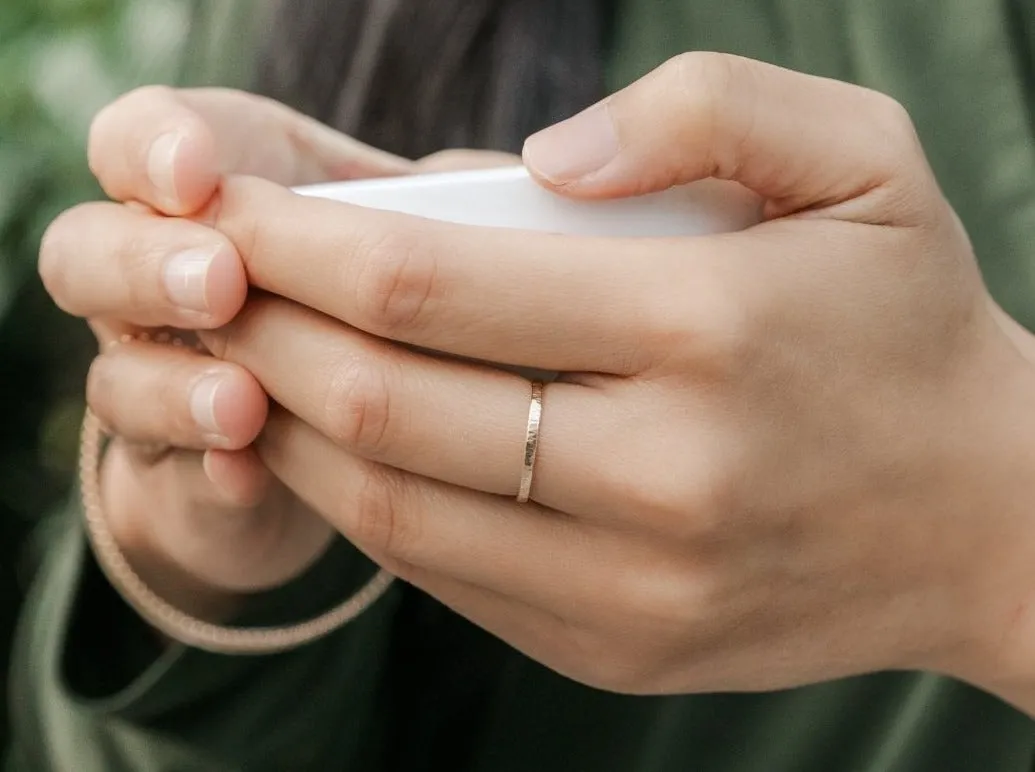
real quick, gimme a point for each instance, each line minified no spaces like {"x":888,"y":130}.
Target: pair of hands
{"x":775,"y":457}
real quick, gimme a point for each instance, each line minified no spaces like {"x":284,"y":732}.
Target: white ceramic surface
{"x":509,"y":198}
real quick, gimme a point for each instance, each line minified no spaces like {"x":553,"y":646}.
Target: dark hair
{"x":417,"y":76}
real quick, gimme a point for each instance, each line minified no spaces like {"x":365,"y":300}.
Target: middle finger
{"x":457,"y":422}
{"x":523,"y":298}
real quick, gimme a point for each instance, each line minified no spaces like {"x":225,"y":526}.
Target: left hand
{"x":776,"y":457}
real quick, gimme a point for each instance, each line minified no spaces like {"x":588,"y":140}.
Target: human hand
{"x":774,"y":457}
{"x":189,"y":502}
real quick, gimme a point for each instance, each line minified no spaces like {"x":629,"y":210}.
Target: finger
{"x":106,"y":260}
{"x":168,"y":148}
{"x":399,"y":520}
{"x":453,"y":421}
{"x":206,"y":536}
{"x":268,"y":535}
{"x":238,"y":477}
{"x":538,"y":634}
{"x":459,"y":160}
{"x":212,"y":481}
{"x":153,"y":393}
{"x":519,"y":298}
{"x":801,"y":141}
{"x":160,"y":561}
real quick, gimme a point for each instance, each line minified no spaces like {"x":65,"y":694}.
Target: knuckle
{"x":708,"y":499}
{"x":703,"y":76}
{"x":714,"y":329}
{"x":600,"y":662}
{"x":395,"y":280}
{"x":653,"y":498}
{"x":902,"y":184}
{"x":654,"y":595}
{"x":690,"y":504}
{"x":897,"y":144}
{"x":381,"y":522}
{"x":721,"y":339}
{"x":706,"y":82}
{"x":642,"y":641}
{"x":669,"y":608}
{"x":357,"y":407}
{"x":892,"y":117}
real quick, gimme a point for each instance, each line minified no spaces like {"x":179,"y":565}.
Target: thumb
{"x":800,"y":141}
{"x":170,"y":148}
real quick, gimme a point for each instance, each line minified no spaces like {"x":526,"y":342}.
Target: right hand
{"x":194,"y":510}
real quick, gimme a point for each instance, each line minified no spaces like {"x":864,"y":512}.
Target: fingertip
{"x":571,"y":156}
{"x":240,"y":478}
{"x":226,"y":285}
{"x":239,"y":407}
{"x":149,"y":146}
{"x":192,"y":167}
{"x":590,"y":187}
{"x":181,"y":168}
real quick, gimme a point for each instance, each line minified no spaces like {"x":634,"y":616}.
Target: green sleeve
{"x":92,"y":690}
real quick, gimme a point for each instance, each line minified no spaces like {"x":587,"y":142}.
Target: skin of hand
{"x":192,"y":506}
{"x":775,"y":457}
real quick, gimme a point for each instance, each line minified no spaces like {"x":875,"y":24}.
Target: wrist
{"x":994,"y":645}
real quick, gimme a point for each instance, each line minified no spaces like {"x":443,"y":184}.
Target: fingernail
{"x":203,"y":405}
{"x":571,"y":149}
{"x":186,"y":277}
{"x":161,"y":167}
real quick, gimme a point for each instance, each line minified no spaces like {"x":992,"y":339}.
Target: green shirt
{"x":409,"y":685}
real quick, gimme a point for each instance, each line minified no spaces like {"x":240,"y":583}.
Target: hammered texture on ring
{"x":535,"y":414}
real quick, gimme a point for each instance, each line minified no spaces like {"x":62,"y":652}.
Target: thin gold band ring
{"x":535,"y":414}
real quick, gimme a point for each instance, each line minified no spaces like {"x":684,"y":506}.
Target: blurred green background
{"x":60,"y":61}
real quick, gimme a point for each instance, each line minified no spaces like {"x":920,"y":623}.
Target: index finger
{"x":524,"y":298}
{"x":169,"y":148}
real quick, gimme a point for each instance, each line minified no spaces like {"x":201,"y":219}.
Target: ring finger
{"x":457,"y":422}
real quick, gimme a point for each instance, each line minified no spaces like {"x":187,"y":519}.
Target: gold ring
{"x":535,"y":414}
